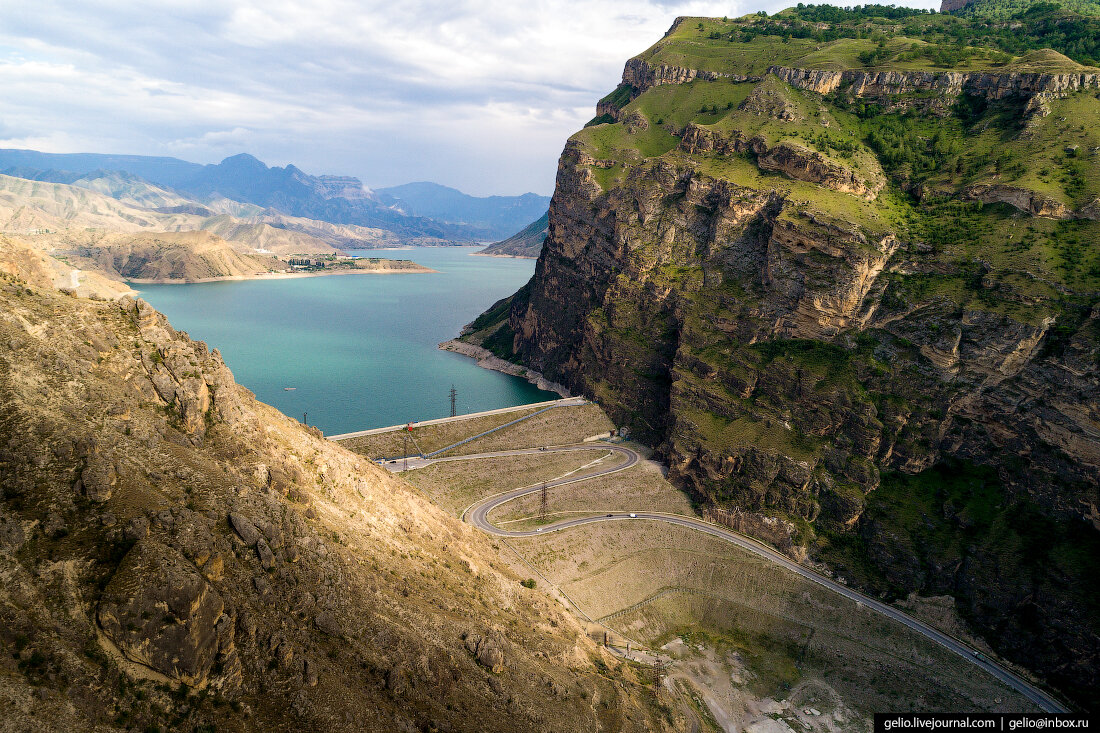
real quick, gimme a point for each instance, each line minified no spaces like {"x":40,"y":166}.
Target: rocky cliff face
{"x":790,"y":158}
{"x":988,"y":85}
{"x":177,"y":556}
{"x":803,"y":360}
{"x":640,"y":75}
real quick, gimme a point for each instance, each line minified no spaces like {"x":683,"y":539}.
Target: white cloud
{"x":480,"y":94}
{"x":237,"y":139}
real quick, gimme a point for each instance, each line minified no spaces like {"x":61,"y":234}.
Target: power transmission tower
{"x":454,"y":394}
{"x":544,"y":501}
{"x":660,"y":669}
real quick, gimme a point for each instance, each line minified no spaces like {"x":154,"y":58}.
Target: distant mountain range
{"x":414,"y":211}
{"x":500,"y":216}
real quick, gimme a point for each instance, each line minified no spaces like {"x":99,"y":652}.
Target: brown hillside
{"x":178,"y":556}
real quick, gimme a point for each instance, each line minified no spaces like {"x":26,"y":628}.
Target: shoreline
{"x":509,"y":257}
{"x":488,"y":360}
{"x":420,"y":270}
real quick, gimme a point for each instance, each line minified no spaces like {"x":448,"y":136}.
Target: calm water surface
{"x":360,"y":350}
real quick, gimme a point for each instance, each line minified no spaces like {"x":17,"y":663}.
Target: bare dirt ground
{"x":714,"y":680}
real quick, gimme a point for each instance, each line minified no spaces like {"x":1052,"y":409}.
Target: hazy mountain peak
{"x":499,"y":216}
{"x":244,"y":162}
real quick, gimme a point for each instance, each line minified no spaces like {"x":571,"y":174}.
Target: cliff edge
{"x":845,"y":282}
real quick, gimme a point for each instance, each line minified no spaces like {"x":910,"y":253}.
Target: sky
{"x":479,"y":95}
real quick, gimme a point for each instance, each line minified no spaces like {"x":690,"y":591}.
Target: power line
{"x":454,"y":394}
{"x":660,"y":670}
{"x":544,"y":502}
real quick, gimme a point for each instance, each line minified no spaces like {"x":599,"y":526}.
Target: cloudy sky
{"x":480,"y":95}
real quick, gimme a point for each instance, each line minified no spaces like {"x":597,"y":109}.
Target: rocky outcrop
{"x":820,"y":275}
{"x":801,"y":163}
{"x":1030,"y":202}
{"x":773,"y":530}
{"x":766,"y":100}
{"x":170,"y":366}
{"x":695,"y":138}
{"x":1090,"y":210}
{"x":786,"y":362}
{"x":488,"y":649}
{"x":793,"y":160}
{"x":487,"y":360}
{"x":951,"y":83}
{"x":237,"y":571}
{"x":640,"y":75}
{"x":98,"y":477}
{"x":161,"y":613}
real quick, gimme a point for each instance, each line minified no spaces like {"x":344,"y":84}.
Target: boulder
{"x":136,"y":529}
{"x":12,"y":535}
{"x":309,"y":673}
{"x":54,"y":525}
{"x":267,"y":557}
{"x":244,"y":528}
{"x":488,"y":650}
{"x":162,"y":614}
{"x":98,"y":478}
{"x":329,"y":623}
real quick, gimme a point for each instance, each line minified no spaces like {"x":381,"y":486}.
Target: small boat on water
{"x":289,"y":389}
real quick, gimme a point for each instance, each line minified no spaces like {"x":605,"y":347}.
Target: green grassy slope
{"x":875,"y":36}
{"x":935,"y":149}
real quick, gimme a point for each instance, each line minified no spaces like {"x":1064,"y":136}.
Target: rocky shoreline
{"x":487,"y":360}
{"x":510,"y":257}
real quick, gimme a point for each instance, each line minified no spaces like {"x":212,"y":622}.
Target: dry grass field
{"x":653,"y":582}
{"x":454,"y":485}
{"x":428,"y":437}
{"x":559,"y":426}
{"x":640,"y":487}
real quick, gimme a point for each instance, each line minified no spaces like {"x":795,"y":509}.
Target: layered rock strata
{"x":789,"y":361}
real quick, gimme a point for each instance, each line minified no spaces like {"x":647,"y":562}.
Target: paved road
{"x":477,"y":514}
{"x":398,"y":465}
{"x":564,"y":402}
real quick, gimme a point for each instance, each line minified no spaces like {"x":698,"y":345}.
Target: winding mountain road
{"x":477,"y":515}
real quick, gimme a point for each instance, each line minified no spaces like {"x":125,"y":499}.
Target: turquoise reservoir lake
{"x":360,"y":350}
